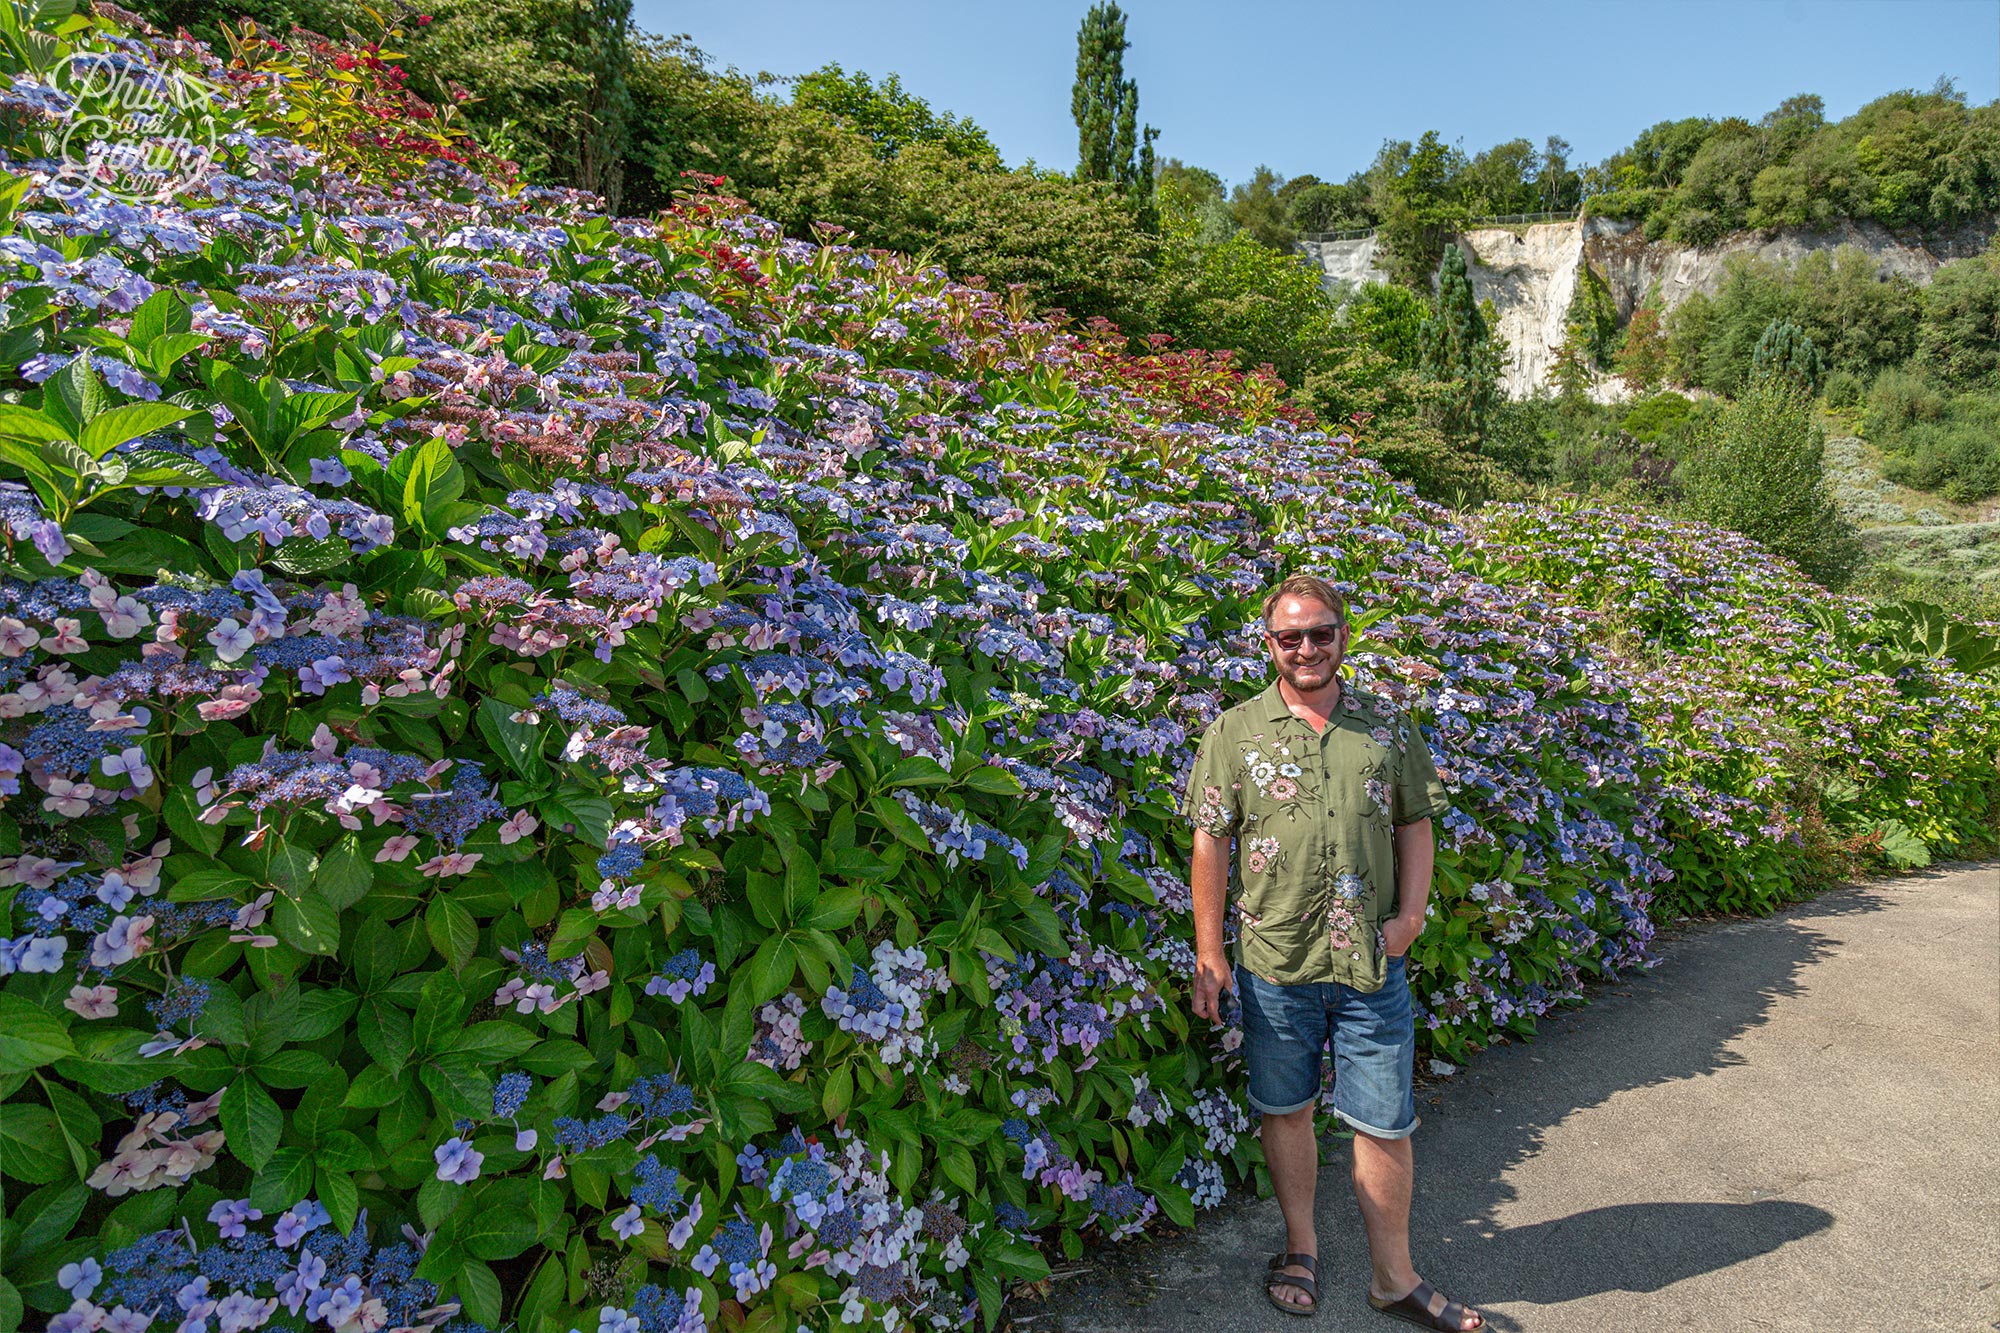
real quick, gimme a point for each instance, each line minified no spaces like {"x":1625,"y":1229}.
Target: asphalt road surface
{"x":1790,"y":1124}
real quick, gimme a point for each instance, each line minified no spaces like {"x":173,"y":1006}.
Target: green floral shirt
{"x":1314,"y":817}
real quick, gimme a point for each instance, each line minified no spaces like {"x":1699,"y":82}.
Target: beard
{"x":1308,"y":678}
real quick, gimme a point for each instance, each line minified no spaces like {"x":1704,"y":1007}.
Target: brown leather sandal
{"x":1308,"y":1284}
{"x":1415,"y":1308}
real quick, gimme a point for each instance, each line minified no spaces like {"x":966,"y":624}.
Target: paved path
{"x":1791,"y":1123}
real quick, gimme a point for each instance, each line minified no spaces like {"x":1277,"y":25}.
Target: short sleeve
{"x":1419,"y":794}
{"x":1210,"y":802}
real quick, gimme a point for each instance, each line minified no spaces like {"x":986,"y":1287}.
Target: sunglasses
{"x":1322,"y":636}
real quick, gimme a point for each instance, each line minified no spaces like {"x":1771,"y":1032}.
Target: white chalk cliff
{"x":1530,"y":273}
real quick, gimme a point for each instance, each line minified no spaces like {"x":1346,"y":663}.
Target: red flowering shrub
{"x":351,"y":103}
{"x":1204,"y":385}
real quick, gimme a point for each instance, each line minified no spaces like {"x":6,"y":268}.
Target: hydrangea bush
{"x":585,"y":773}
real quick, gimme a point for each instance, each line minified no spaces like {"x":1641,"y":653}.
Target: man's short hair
{"x":1311,"y":589}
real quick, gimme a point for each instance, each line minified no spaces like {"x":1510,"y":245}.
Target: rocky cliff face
{"x":1530,"y":274}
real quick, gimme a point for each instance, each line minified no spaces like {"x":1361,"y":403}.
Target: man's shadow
{"x":1676,"y":1022}
{"x":1631,"y":1247}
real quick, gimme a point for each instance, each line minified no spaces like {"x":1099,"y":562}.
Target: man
{"x":1329,"y":796}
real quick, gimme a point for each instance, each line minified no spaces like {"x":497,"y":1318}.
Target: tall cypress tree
{"x":1454,"y":347}
{"x":1110,"y":145}
{"x":1149,"y":216}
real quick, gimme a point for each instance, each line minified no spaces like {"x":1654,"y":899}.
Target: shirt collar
{"x":1271,"y":705}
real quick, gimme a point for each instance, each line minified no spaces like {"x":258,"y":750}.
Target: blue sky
{"x":1317,"y":86}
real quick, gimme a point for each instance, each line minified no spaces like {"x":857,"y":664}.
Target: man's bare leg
{"x":1291,"y":1152}
{"x":1384,"y":1176}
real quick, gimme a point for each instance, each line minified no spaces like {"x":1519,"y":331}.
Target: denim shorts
{"x":1285,"y":1029}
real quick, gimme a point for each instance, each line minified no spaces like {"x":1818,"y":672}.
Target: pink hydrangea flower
{"x":93,"y":1001}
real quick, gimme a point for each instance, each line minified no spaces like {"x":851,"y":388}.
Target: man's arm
{"x":1416,"y":854}
{"x":1210,"y":884}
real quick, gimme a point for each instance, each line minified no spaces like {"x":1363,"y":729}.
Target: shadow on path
{"x":1632,"y":1247}
{"x":1715,"y":982}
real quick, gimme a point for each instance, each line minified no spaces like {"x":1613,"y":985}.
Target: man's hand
{"x":1211,"y":978}
{"x":1399,"y":933}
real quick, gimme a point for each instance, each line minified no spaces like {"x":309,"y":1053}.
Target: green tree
{"x":1714,"y":197}
{"x":1968,"y":176}
{"x":1752,"y":294}
{"x":1454,"y":348}
{"x":1290,"y":186}
{"x":1066,"y":244}
{"x":1861,"y":320}
{"x":590,"y":148}
{"x":1785,"y":352}
{"x":549,"y":82}
{"x":1570,"y":364}
{"x":1594,"y":314}
{"x":1502,"y":179}
{"x":689,"y":116}
{"x":1642,"y":358}
{"x":1193,"y":203}
{"x":1908,"y":159}
{"x":1421,"y":207}
{"x":1759,"y":467}
{"x":1660,"y":155}
{"x":1105,"y":105}
{"x":1266,"y":305}
{"x":1688,"y":326}
{"x":1390,"y":319}
{"x":890,"y":117}
{"x":1256,"y":208}
{"x":1322,"y":207}
{"x":1558,"y":188}
{"x":1959,"y":339}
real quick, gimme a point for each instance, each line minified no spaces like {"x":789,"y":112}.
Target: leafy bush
{"x":1933,"y":440}
{"x":1389,"y":319}
{"x":1267,"y":306}
{"x":1758,"y":467}
{"x":1595,"y":314}
{"x":1658,"y":418}
{"x":588,"y":772}
{"x":1578,"y":446}
{"x":1672,"y":593}
{"x":1897,"y":401}
{"x":1845,"y":389}
{"x":1957,"y":455}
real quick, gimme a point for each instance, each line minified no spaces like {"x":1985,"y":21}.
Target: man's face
{"x":1309,"y":666}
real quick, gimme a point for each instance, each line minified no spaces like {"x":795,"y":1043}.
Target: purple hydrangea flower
{"x":230,"y":1215}
{"x":330,"y":472}
{"x":458,"y":1161}
{"x":81,"y":1278}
